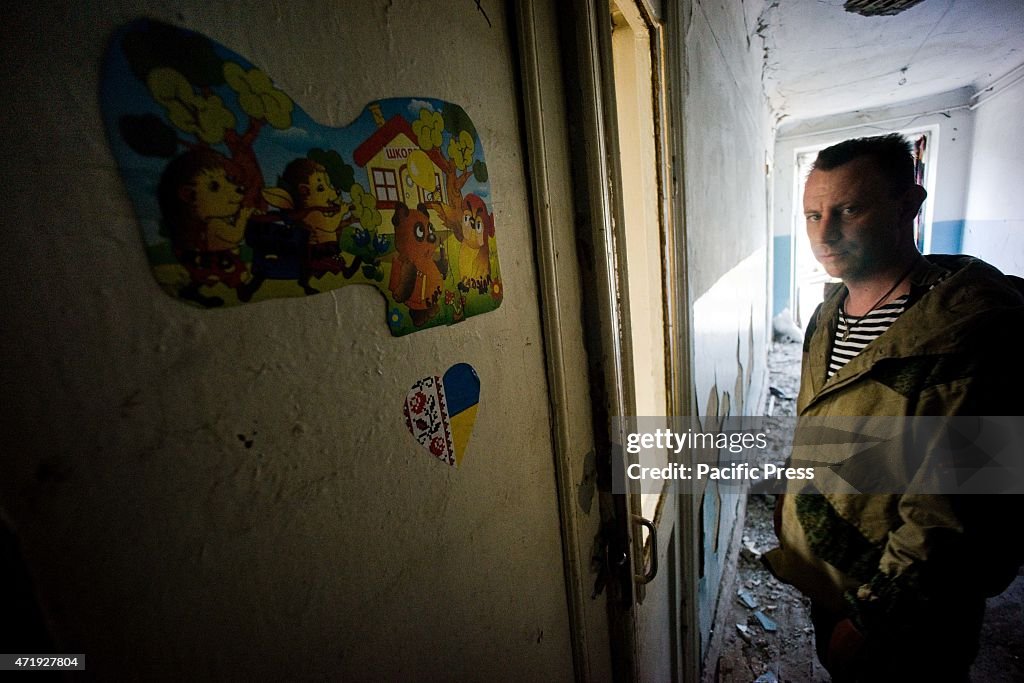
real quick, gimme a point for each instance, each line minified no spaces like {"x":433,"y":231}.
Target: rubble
{"x":766,"y":623}
{"x":747,"y":598}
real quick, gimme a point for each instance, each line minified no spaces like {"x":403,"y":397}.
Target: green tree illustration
{"x":458,"y":158}
{"x":181,"y":70}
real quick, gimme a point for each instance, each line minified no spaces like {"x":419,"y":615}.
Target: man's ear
{"x":401,"y":211}
{"x":912,"y":200}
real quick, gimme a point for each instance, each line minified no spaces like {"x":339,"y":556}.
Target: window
{"x":434,"y":196}
{"x":385,"y":185}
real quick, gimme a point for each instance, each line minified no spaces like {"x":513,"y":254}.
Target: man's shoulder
{"x":971,"y":270}
{"x":972,"y":308}
{"x":971,"y":283}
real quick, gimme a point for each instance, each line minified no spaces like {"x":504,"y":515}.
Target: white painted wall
{"x":995,"y":203}
{"x":728,"y":148}
{"x":334,"y":547}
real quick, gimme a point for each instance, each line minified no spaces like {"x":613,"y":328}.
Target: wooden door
{"x":635,"y":317}
{"x":246,"y":499}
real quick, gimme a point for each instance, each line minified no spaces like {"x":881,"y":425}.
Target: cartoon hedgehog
{"x":201,"y":208}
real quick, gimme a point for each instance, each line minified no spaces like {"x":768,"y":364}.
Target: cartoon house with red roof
{"x":385,"y":156}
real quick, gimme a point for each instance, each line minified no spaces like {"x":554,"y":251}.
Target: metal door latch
{"x":652,"y":570}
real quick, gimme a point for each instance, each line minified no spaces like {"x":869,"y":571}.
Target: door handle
{"x":652,"y":570}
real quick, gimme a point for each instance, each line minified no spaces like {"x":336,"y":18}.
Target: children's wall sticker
{"x":398,"y":199}
{"x":440,"y":412}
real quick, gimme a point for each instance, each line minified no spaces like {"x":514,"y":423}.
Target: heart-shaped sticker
{"x":440,"y":412}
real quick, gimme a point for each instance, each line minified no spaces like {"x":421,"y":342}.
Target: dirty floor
{"x":769,"y":635}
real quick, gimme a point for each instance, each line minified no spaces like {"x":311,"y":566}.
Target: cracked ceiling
{"x":821,"y":59}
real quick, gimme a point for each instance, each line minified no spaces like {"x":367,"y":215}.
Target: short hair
{"x":892,"y":154}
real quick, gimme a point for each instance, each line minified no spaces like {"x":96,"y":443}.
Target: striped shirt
{"x":853,"y":334}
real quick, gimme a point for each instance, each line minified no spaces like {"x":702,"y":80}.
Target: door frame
{"x":542,"y":97}
{"x":585,"y":57}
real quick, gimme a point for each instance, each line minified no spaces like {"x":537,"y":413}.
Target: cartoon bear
{"x":418,"y":268}
{"x":201,"y":208}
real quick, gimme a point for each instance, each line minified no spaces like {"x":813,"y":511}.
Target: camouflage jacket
{"x":894,"y":561}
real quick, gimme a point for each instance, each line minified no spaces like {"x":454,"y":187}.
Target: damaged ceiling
{"x":822,"y":58}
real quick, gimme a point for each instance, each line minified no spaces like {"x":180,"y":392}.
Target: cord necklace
{"x":852,"y":322}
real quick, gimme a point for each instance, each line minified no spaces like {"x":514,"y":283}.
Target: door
{"x":651,"y":331}
{"x":440,"y":572}
{"x":632,"y":260}
{"x":247,"y":500}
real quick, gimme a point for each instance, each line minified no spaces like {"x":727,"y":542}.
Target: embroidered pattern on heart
{"x":440,"y":412}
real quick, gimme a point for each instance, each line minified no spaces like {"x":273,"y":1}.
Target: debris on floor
{"x":766,"y":623}
{"x":779,"y":647}
{"x":754,"y":651}
{"x":781,"y":644}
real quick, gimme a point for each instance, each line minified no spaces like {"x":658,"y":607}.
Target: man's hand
{"x":844,"y":648}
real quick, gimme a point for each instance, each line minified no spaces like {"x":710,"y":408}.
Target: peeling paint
{"x":859,"y":63}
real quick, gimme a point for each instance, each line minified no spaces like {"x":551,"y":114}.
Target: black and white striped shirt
{"x":853,"y":335}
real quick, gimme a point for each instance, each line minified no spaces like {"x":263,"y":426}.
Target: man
{"x":898,"y":581}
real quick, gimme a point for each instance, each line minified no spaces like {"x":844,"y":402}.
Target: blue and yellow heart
{"x":440,"y":412}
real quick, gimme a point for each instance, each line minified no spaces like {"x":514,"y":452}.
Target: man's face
{"x":855,"y":224}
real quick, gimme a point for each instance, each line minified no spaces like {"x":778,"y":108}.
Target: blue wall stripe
{"x":782,"y":264}
{"x":947,"y":237}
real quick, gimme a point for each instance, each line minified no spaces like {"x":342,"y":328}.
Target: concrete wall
{"x":728,"y":144}
{"x":951,"y":154}
{"x":995,"y":203}
{"x":232,"y":494}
